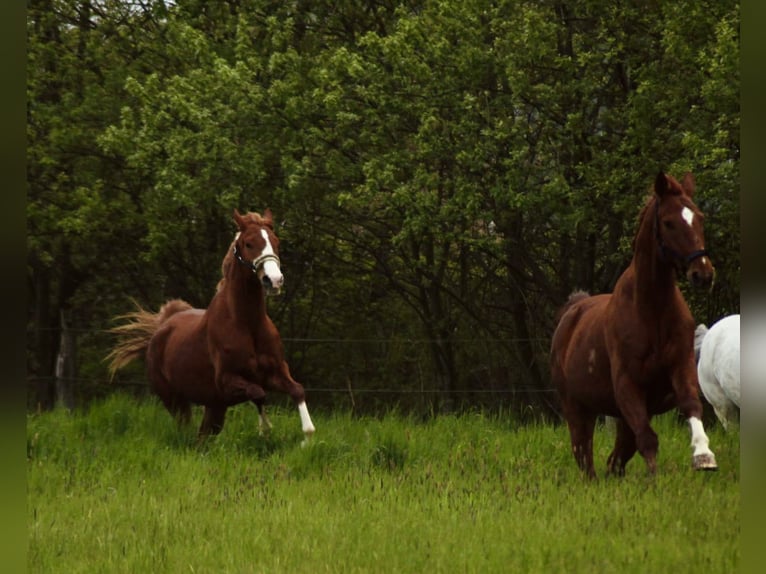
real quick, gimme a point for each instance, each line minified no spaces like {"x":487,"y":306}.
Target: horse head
{"x":678,"y":228}
{"x":257,"y":247}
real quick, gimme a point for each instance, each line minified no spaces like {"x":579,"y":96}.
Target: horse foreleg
{"x":284,"y":381}
{"x":236,"y":388}
{"x":685,"y":384}
{"x":306,"y":424}
{"x":632,"y":404}
{"x":702,"y":457}
{"x":624,"y":449}
{"x":264,"y":424}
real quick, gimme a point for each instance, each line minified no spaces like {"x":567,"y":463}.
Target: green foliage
{"x":444,"y":171}
{"x":119,"y":489}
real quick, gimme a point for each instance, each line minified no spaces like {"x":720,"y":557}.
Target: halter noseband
{"x":256,"y":263}
{"x":664,"y":249}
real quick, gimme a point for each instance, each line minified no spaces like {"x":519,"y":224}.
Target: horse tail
{"x":135,"y":334}
{"x":574,"y":297}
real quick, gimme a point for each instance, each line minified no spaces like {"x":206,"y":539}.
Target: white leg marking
{"x":264,"y":424}
{"x":688,"y":215}
{"x":699,"y":438}
{"x":308,"y":426}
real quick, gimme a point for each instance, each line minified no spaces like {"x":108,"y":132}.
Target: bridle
{"x":666,"y":251}
{"x":256,"y":263}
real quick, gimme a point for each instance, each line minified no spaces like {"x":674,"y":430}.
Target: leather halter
{"x":665,"y":250}
{"x":256,"y":263}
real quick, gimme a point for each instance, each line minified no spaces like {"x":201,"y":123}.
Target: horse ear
{"x":661,"y":184}
{"x":268,"y":218}
{"x":239,"y":220}
{"x":688,"y":184}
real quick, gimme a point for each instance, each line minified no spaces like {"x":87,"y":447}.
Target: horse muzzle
{"x":272,"y":286}
{"x":271,"y":278}
{"x":700,"y":271}
{"x":266,"y":267}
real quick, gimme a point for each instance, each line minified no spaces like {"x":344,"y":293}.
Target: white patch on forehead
{"x":688,"y":215}
{"x":268,"y":249}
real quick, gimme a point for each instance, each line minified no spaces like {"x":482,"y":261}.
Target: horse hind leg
{"x":179,"y":408}
{"x":727,"y":413}
{"x":624,"y":449}
{"x":581,"y":425}
{"x":212,"y":422}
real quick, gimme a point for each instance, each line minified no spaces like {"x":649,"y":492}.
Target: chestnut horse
{"x":229,"y":353}
{"x":630,"y":354}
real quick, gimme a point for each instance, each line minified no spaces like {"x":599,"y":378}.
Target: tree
{"x":443,"y":173}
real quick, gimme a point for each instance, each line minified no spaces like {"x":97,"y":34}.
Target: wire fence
{"x":372,"y":372}
{"x":310,"y":389}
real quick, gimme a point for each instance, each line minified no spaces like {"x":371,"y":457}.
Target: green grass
{"x":121,"y":489}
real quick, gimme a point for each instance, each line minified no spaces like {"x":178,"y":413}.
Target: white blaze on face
{"x":688,"y":215}
{"x":270,"y":267}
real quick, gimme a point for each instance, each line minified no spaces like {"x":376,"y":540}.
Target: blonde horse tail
{"x":134,"y":335}
{"x":574,"y":297}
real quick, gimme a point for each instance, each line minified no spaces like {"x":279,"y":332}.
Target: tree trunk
{"x":42,"y":352}
{"x":66,"y":366}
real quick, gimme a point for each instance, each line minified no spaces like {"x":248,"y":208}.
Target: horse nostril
{"x":696,"y":277}
{"x":700,"y":279}
{"x":266,"y":281}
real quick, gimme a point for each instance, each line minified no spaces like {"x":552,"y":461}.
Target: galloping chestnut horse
{"x":630,"y":354}
{"x":228,"y":354}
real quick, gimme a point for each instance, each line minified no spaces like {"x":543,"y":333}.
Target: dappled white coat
{"x":717,"y":350}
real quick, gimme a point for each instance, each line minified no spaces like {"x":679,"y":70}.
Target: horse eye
{"x":249,"y":245}
{"x":668,"y":224}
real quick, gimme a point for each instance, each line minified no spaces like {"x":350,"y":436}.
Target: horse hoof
{"x":306,"y":440}
{"x":704,"y":462}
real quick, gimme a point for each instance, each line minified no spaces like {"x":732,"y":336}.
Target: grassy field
{"x":121,"y":489}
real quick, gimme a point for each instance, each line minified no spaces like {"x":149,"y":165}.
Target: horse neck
{"x":655,"y":279}
{"x":245,"y":294}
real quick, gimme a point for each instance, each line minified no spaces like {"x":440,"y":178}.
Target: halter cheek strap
{"x":256,"y":263}
{"x":695,"y":255}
